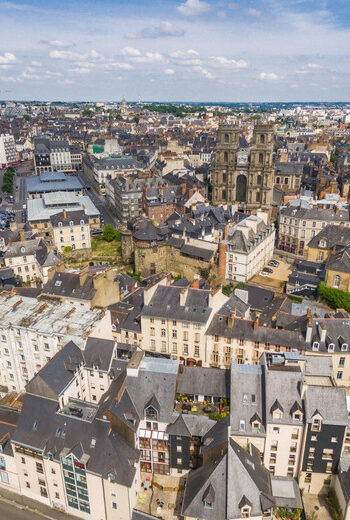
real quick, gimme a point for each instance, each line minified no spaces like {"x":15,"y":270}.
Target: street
{"x":10,"y":512}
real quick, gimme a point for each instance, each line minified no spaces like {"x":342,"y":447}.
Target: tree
{"x":335,"y":298}
{"x":67,"y":249}
{"x":110,"y":233}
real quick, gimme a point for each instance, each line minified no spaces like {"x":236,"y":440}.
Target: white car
{"x":264,"y":273}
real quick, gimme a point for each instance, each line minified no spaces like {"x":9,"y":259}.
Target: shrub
{"x":333,"y":502}
{"x":67,"y":249}
{"x":335,"y":298}
{"x":204,"y":273}
{"x":227,"y":289}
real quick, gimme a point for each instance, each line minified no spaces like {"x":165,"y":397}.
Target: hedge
{"x":335,"y":298}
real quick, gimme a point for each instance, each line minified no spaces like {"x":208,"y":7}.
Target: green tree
{"x":335,"y":298}
{"x":110,"y":233}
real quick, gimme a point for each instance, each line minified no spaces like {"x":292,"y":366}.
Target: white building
{"x":8,"y":152}
{"x":32,"y":331}
{"x":247,"y":248}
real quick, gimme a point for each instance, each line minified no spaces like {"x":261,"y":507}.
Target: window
{"x":114,"y":505}
{"x":344,"y":347}
{"x":185,"y":349}
{"x":341,"y":361}
{"x":2,"y":463}
{"x":315,"y":345}
{"x":4,"y":477}
{"x":331,"y":347}
{"x":242,"y":425}
{"x":336,"y":282}
{"x":178,"y":461}
{"x":316,"y":425}
{"x":261,"y":158}
{"x":163,"y":333}
{"x":174,"y":348}
{"x":179,"y":449}
{"x":339,"y":375}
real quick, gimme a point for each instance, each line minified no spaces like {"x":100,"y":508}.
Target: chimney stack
{"x":64,"y":213}
{"x":231,"y":319}
{"x":256,"y":323}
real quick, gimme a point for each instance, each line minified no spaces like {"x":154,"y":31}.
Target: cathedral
{"x":244,"y":174}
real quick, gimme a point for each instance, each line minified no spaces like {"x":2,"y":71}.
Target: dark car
{"x":274,"y":263}
{"x":268,"y":270}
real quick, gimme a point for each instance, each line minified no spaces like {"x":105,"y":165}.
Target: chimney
{"x":222,"y":261}
{"x":256,"y":324}
{"x":21,"y":235}
{"x":231,"y":319}
{"x":322,"y":330}
{"x":183,"y":296}
{"x":227,"y":229}
{"x":309,"y":330}
{"x":195,"y":284}
{"x":64,"y":213}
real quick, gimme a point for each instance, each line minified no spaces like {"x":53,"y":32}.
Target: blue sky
{"x":195,"y":50}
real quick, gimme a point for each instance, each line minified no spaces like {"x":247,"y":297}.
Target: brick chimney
{"x":309,"y":330}
{"x":222,"y":261}
{"x":195,"y":284}
{"x":64,"y":213}
{"x":256,"y":324}
{"x":21,"y":235}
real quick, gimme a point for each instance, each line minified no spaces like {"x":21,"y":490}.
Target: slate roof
{"x":340,"y":261}
{"x":286,"y":385}
{"x":53,"y":378}
{"x":337,"y":332}
{"x":165,"y":303}
{"x":98,"y":352}
{"x":204,"y":381}
{"x":315,"y":214}
{"x":77,"y":217}
{"x":53,"y":181}
{"x":329,"y":401}
{"x":332,"y":236}
{"x":8,"y":424}
{"x":64,"y":284}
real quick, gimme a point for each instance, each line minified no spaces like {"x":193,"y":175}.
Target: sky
{"x":175,"y":50}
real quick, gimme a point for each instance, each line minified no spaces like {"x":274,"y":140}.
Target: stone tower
{"x":244,"y":175}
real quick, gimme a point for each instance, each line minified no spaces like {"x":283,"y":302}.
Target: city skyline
{"x":191,"y":50}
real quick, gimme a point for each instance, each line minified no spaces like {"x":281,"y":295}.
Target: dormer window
{"x":344,"y":347}
{"x":245,"y":512}
{"x":242,"y":425}
{"x":71,"y":223}
{"x":256,"y":426}
{"x":23,"y":249}
{"x":331,"y":347}
{"x":315,"y":345}
{"x":322,"y":243}
{"x":316,"y":424}
{"x":60,"y":224}
{"x":82,"y":222}
{"x":151,"y":413}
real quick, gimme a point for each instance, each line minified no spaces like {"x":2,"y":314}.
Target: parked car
{"x":274,"y":263}
{"x":264,"y":273}
{"x":268,"y":270}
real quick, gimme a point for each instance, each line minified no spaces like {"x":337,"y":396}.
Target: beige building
{"x":297,"y":226}
{"x":71,"y":229}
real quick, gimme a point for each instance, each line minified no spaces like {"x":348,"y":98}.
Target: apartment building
{"x":329,"y":240}
{"x":30,"y":260}
{"x":174,"y":320}
{"x":112,"y":167}
{"x":70,"y":229}
{"x":297,"y":226}
{"x":125,"y":195}
{"x":8,"y":153}
{"x":55,"y":156}
{"x":32,"y":331}
{"x":248,"y":246}
{"x":65,"y":453}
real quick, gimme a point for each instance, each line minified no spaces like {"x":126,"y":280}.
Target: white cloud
{"x":149,"y":57}
{"x":66,"y":82}
{"x":203,"y":71}
{"x":7,"y":58}
{"x":130,"y":51}
{"x":113,"y":65}
{"x":253,"y":12}
{"x":35,"y":63}
{"x":268,"y":76}
{"x":80,"y":70}
{"x":163,"y":30}
{"x":64,"y":55}
{"x":53,"y":74}
{"x":184,"y":54}
{"x":27,"y":75}
{"x":229,"y":63}
{"x":314,"y":66}
{"x":12,"y":79}
{"x":169,"y":72}
{"x":60,"y":44}
{"x":193,"y":7}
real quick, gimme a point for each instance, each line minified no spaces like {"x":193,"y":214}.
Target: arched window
{"x":259,"y":179}
{"x":257,"y":196}
{"x":224,"y":194}
{"x":225,"y":157}
{"x":278,"y":180}
{"x":261,"y":157}
{"x":71,"y":223}
{"x":336,"y":281}
{"x":241,"y":189}
{"x":262,"y":139}
{"x":226,"y":138}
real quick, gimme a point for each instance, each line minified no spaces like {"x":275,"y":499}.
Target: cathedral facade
{"x":244,"y":176}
